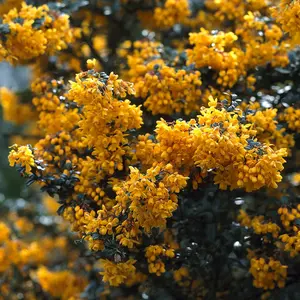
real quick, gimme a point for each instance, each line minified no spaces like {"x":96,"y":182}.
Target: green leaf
{"x":4,"y":30}
{"x":19,"y":20}
{"x":61,"y":210}
{"x":38,"y":23}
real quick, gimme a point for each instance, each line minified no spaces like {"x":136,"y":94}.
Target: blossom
{"x":265,"y":123}
{"x":173,"y":11}
{"x":287,"y":15}
{"x":259,"y":224}
{"x":13,"y":110}
{"x":296,"y":179}
{"x":151,"y":198}
{"x":292,"y":116}
{"x":33,"y":31}
{"x":106,"y":117}
{"x":154,"y":255}
{"x":5,"y":232}
{"x":268,"y":274}
{"x":217,"y":52}
{"x":291,"y":242}
{"x":62,"y":284}
{"x":117,"y":273}
{"x":165,"y":88}
{"x":23,"y":156}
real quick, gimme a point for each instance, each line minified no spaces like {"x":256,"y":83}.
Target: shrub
{"x":179,"y":175}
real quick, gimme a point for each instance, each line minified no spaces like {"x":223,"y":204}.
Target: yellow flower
{"x":292,"y":116}
{"x":296,"y":179}
{"x":217,"y":52}
{"x":117,"y":273}
{"x":287,"y":15}
{"x":62,"y":284}
{"x":166,"y":89}
{"x":105,"y":119}
{"x":154,"y":255}
{"x":50,"y":204}
{"x":4,"y":232}
{"x":38,"y":31}
{"x":13,"y":110}
{"x":151,"y":198}
{"x":173,"y":12}
{"x":23,"y":156}
{"x":268,"y":274}
{"x":259,"y":224}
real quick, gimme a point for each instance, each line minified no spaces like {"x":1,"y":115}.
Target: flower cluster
{"x":166,"y":89}
{"x":287,"y":15}
{"x":268,"y":274}
{"x":111,"y":117}
{"x":259,"y":224}
{"x":22,"y":156}
{"x":217,"y":52}
{"x":62,"y":284}
{"x":291,"y":116}
{"x":234,"y":10}
{"x":31,"y":32}
{"x":173,"y":12}
{"x":13,"y":110}
{"x":220,"y":51}
{"x":292,"y":243}
{"x":154,"y":255}
{"x":151,"y":198}
{"x":48,"y":100}
{"x":117,"y":273}
{"x":265,"y":123}
{"x":288,"y":216}
{"x":19,"y":253}
{"x":239,"y":161}
{"x":182,"y":276}
{"x":28,"y":261}
{"x":296,"y":179}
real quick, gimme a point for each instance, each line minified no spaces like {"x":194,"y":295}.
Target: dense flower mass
{"x":111,"y":117}
{"x":178,"y":177}
{"x":32,"y":31}
{"x":13,"y":110}
{"x":29,"y":260}
{"x":173,"y":12}
{"x":152,"y":198}
{"x":118,"y":273}
{"x":23,"y":156}
{"x":268,"y":274}
{"x":292,"y":116}
{"x":287,"y":14}
{"x":62,"y":284}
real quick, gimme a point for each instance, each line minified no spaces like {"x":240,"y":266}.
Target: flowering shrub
{"x":167,"y":131}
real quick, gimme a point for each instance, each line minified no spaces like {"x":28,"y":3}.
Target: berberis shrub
{"x":168,"y":133}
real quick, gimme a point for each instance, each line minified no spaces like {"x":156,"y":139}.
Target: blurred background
{"x":11,"y":185}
